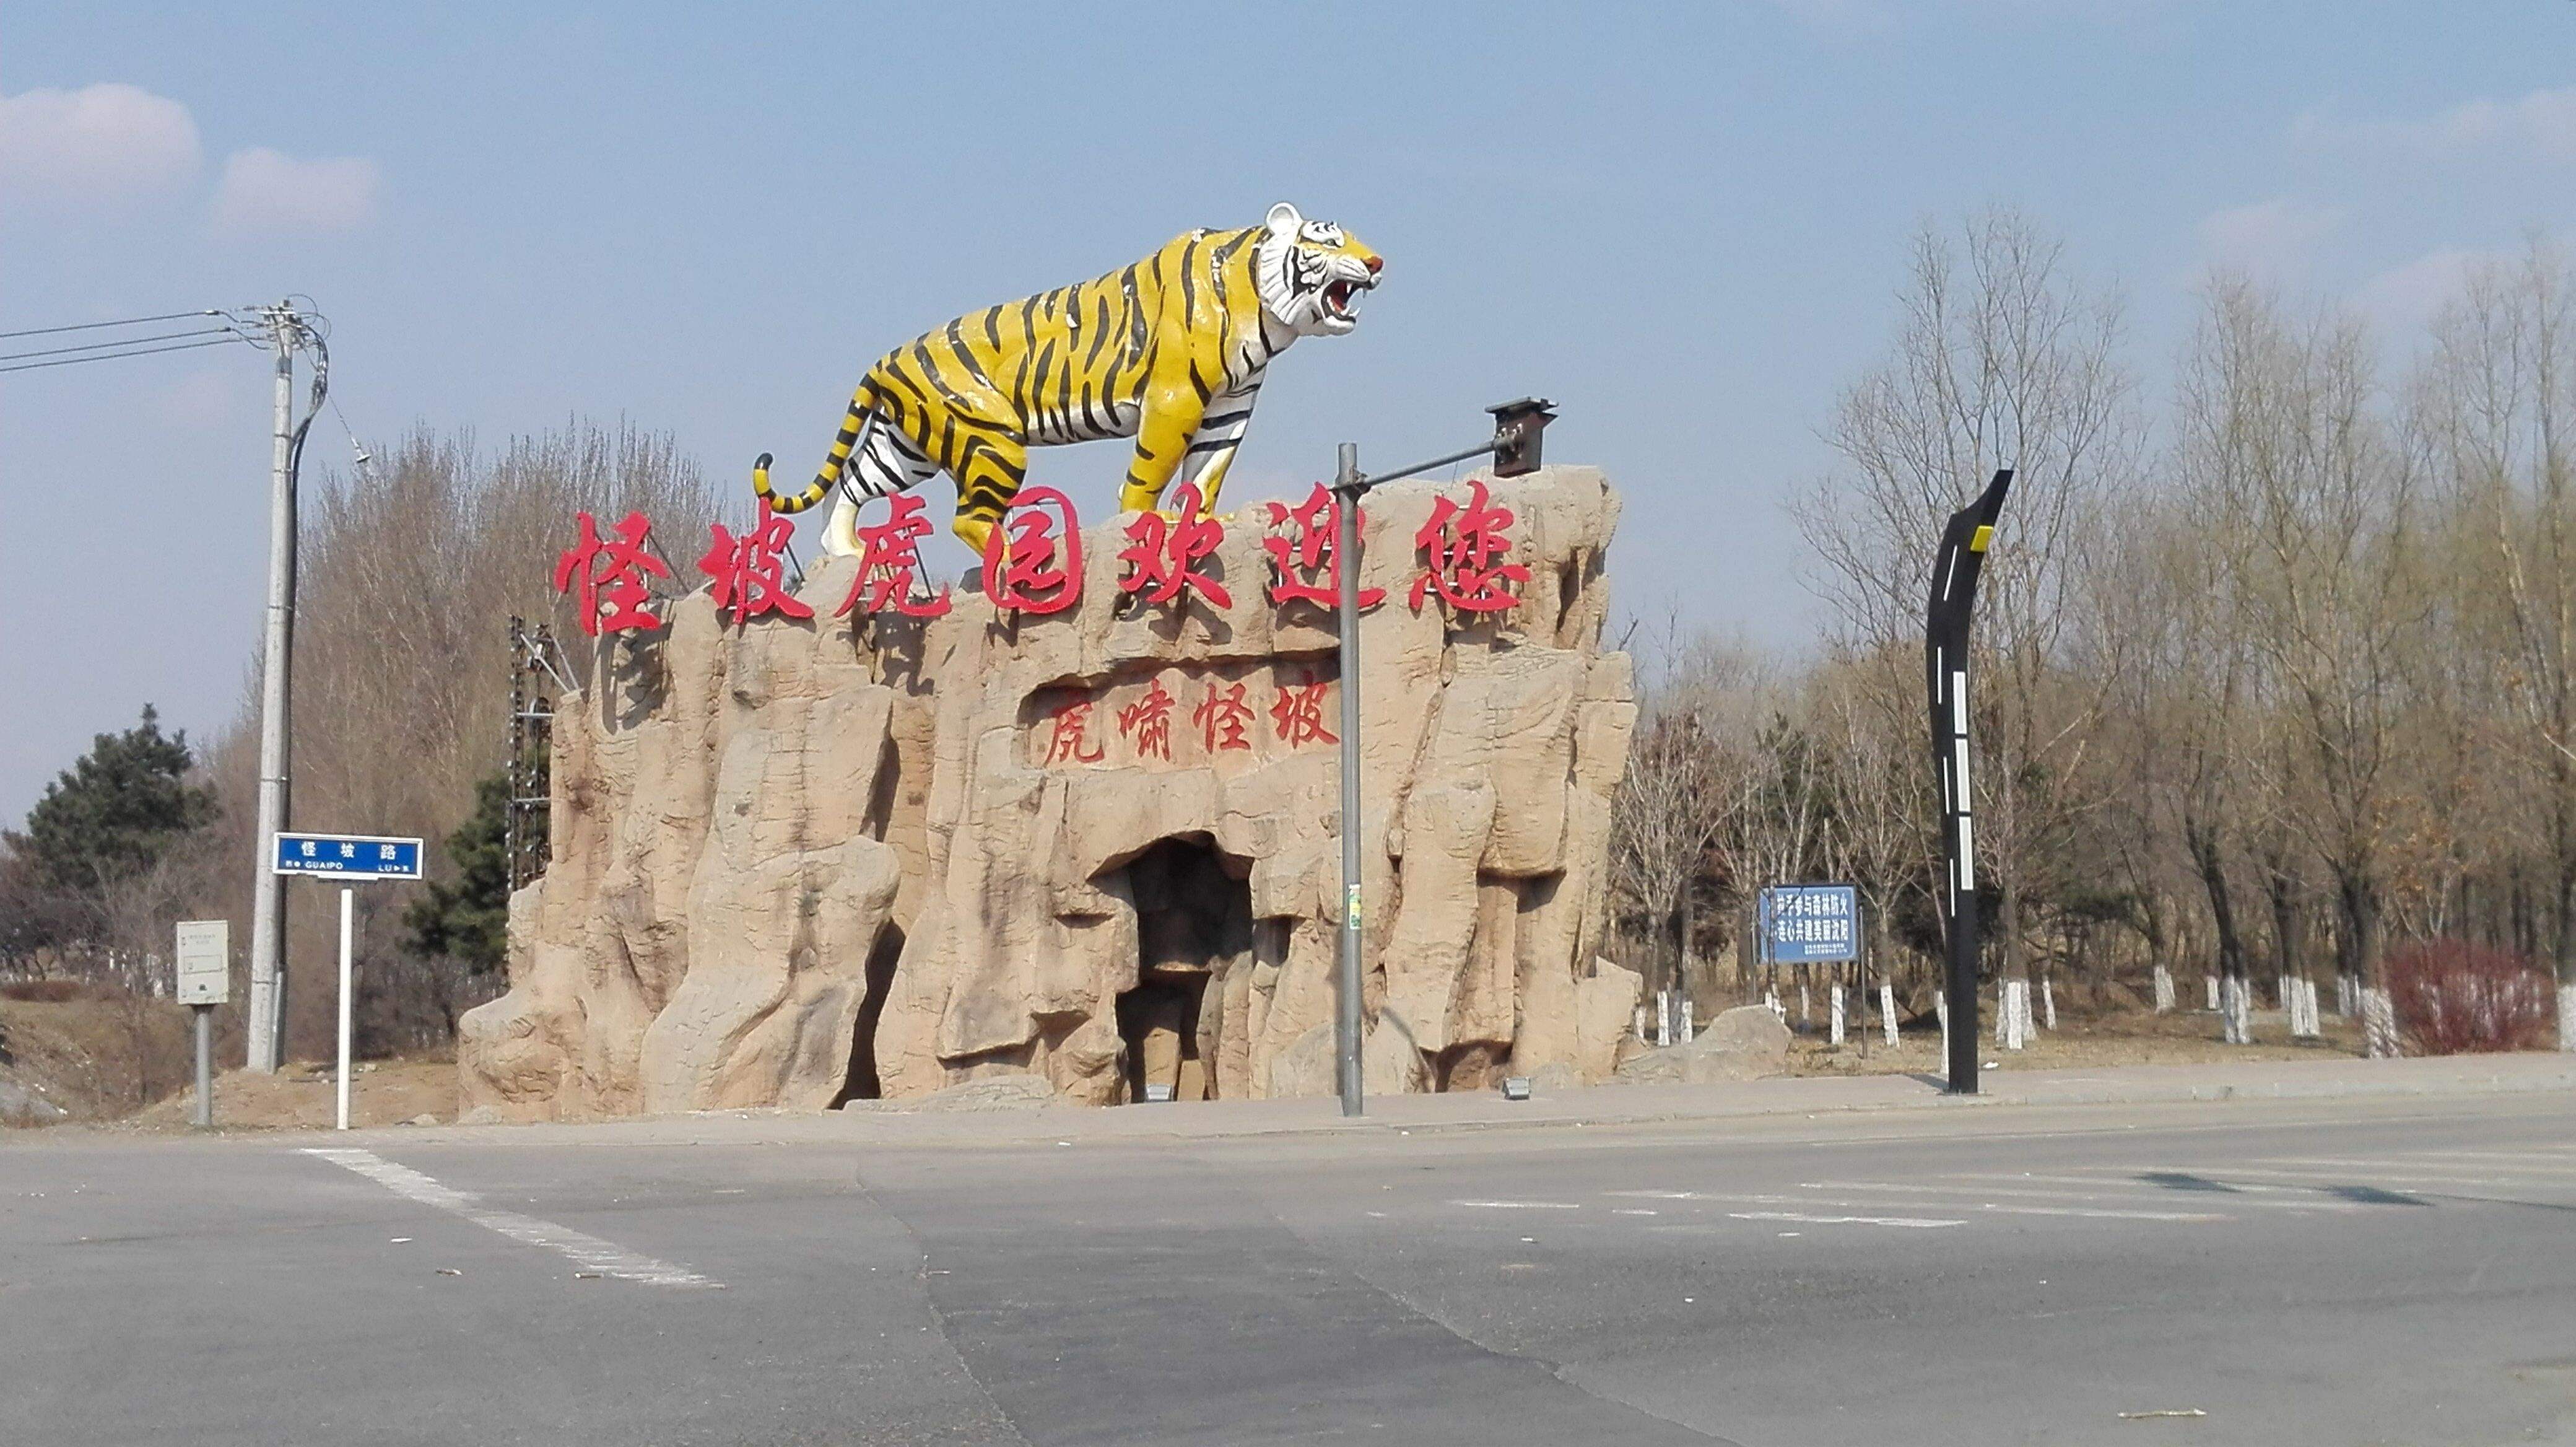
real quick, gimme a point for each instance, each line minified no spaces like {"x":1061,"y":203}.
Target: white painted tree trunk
{"x":1663,"y":1017}
{"x":1941,"y":1007}
{"x":2048,"y":1002}
{"x":2379,"y":1024}
{"x":1887,"y":1011}
{"x":2567,"y":1017}
{"x":2164,"y":991}
{"x":2016,"y":1014}
{"x":1806,"y":1006}
{"x":1641,"y":1022}
{"x":1686,"y":1020}
{"x":2235,"y":1001}
{"x":2283,"y":988}
{"x":2212,"y":982}
{"x":2308,"y":998}
{"x":1772,"y":999}
{"x":1834,"y":1003}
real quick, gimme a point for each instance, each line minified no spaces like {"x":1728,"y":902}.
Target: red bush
{"x":2457,"y":998}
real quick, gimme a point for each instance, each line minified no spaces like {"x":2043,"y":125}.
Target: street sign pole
{"x":348,"y":911}
{"x":352,"y":859}
{"x":1519,"y":430}
{"x":204,"y":979}
{"x":1945,"y":656}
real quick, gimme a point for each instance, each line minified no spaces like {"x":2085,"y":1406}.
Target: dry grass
{"x":2118,"y":1038}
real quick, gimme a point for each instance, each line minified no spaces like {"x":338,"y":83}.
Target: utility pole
{"x":1945,"y":656}
{"x":268,"y":898}
{"x":1515,"y":446}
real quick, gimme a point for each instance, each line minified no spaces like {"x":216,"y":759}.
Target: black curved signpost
{"x":1945,"y":660}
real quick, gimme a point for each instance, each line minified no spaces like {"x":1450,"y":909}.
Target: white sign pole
{"x":348,"y":908}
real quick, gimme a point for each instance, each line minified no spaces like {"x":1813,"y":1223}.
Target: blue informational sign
{"x":347,"y":856}
{"x":1806,"y":924}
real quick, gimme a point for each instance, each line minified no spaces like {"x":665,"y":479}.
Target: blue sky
{"x":1684,"y":223}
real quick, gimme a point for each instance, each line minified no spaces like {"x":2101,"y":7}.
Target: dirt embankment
{"x":82,"y":1053}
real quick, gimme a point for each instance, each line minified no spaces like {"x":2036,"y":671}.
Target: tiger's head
{"x":1312,"y":273}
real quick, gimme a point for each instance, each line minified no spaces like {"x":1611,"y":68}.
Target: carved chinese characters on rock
{"x":1162,"y":553}
{"x":746,"y":575}
{"x":1033,"y":561}
{"x":1304,"y":547}
{"x":1462,"y":549}
{"x":606,"y":576}
{"x":1234,"y":720}
{"x":1221,"y":717}
{"x":890,"y":564}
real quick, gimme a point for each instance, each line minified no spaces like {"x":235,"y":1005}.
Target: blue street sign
{"x":348,"y":856}
{"x":1806,"y":924}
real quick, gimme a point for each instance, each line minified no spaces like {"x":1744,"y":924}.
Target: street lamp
{"x":1945,"y":660}
{"x":1519,"y":427}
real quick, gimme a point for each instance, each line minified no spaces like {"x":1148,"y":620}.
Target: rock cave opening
{"x":861,"y":1082}
{"x":1193,"y":924}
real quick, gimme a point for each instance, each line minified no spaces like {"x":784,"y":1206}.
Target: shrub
{"x":2458,"y":998}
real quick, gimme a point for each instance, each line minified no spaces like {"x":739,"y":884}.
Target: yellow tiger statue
{"x":1170,"y":351}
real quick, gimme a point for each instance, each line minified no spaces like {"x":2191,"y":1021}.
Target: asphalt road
{"x":2301,"y":1272}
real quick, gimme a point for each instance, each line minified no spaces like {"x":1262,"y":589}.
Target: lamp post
{"x":1515,"y":446}
{"x":1945,"y":659}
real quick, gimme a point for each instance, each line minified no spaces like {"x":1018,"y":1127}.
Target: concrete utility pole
{"x":1518,"y":427}
{"x":268,"y":890}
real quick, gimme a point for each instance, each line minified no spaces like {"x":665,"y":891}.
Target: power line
{"x":112,"y":356}
{"x":120,"y":342}
{"x":91,"y":326}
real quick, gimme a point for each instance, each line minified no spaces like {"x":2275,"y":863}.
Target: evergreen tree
{"x":113,"y":814}
{"x":468,"y":920}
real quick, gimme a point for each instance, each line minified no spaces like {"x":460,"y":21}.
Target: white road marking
{"x":1522,"y":1205}
{"x":1913,"y":1221}
{"x":605,"y":1257}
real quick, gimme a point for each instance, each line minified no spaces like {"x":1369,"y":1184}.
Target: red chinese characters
{"x":1160,"y":550}
{"x":1029,"y":566}
{"x":609,"y":574}
{"x":1071,"y":733}
{"x":1146,"y":724}
{"x":1462,"y":545}
{"x":890,"y":563}
{"x":746,"y":574}
{"x":1298,"y":714}
{"x":1305,"y":562}
{"x":1221,"y":717}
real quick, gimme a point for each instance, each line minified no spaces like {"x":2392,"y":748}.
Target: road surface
{"x":2301,"y":1271}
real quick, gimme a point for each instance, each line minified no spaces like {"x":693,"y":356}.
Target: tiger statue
{"x":1170,"y":351}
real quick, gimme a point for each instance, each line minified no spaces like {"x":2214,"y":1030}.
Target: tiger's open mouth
{"x":1341,"y":298}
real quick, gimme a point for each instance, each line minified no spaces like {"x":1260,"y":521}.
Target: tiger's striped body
{"x":1170,"y":351}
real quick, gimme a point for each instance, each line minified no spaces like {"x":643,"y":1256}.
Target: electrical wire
{"x":119,"y":342}
{"x":224,"y":340}
{"x":91,"y":326}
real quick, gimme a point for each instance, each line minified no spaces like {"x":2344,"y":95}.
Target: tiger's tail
{"x":825,"y":477}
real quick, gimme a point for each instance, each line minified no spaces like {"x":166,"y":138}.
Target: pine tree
{"x":113,"y":814}
{"x":468,"y":920}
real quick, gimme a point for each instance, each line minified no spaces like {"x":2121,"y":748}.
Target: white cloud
{"x":2403,"y":300}
{"x":2542,"y":124}
{"x":266,"y":192}
{"x":2271,"y":239}
{"x":102,"y":143}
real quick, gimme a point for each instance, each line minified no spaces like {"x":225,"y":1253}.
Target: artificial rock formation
{"x":797,"y":862}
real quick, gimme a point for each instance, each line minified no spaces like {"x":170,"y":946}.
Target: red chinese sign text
{"x":1298,"y":714}
{"x":1072,"y":724}
{"x":1029,"y":566}
{"x":747,"y":575}
{"x":609,"y":574}
{"x":1221,"y":716}
{"x":890,"y":562}
{"x":1305,"y":560}
{"x":1161,"y":549}
{"x":1463,"y":545}
{"x":1147,"y":723}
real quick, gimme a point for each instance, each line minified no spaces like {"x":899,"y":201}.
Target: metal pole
{"x":205,"y":1063}
{"x":1347,"y":487}
{"x":348,"y":908}
{"x":268,"y":889}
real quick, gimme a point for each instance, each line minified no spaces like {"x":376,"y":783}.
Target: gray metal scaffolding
{"x":534,"y":664}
